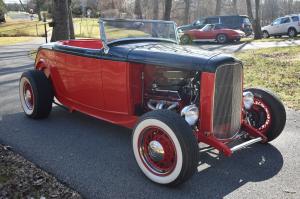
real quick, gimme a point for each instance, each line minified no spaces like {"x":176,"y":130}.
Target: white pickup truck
{"x":288,"y":25}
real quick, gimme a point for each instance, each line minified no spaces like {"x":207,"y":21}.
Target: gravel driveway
{"x":95,"y":157}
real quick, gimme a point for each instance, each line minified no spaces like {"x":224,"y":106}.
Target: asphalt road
{"x":96,"y":159}
{"x":240,"y":46}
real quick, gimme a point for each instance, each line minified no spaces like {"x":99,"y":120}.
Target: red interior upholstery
{"x":84,"y":43}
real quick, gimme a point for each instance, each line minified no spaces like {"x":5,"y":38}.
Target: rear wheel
{"x":292,"y":32}
{"x":267,"y":113}
{"x":36,"y":94}
{"x":165,"y":148}
{"x":221,"y":38}
{"x":185,"y":39}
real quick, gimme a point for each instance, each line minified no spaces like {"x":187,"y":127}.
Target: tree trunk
{"x":138,"y":9}
{"x":61,"y":29}
{"x":249,"y":9}
{"x":257,"y":30}
{"x":71,"y":25}
{"x":168,"y":8}
{"x":22,"y":5}
{"x":234,"y":6}
{"x":38,"y":9}
{"x":186,"y":12}
{"x":218,"y":7}
{"x":155,"y":9}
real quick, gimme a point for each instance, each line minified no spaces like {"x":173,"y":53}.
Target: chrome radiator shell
{"x":227,"y":108}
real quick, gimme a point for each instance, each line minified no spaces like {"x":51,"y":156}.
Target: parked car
{"x":288,"y":25}
{"x":173,"y":97}
{"x":2,"y":18}
{"x":237,"y":22}
{"x":212,"y":32}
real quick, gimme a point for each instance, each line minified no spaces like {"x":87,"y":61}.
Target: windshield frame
{"x":107,"y":43}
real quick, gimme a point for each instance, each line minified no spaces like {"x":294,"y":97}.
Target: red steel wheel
{"x":164,"y":147}
{"x":28,"y":96}
{"x":260,"y":115}
{"x":267,"y":113}
{"x":157,"y":150}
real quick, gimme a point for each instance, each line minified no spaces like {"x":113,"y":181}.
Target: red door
{"x":79,"y":80}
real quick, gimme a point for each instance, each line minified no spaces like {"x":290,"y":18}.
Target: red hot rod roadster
{"x":172,"y":96}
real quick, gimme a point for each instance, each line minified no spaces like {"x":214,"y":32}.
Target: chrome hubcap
{"x":156,"y":151}
{"x":28,"y":97}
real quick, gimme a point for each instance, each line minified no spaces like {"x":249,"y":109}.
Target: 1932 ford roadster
{"x":173,"y":96}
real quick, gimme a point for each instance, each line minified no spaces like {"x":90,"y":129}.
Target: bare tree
{"x":63,"y":23}
{"x":255,"y":22}
{"x":22,"y":5}
{"x":168,"y":8}
{"x":71,"y":25}
{"x":138,"y":9}
{"x":234,"y":6}
{"x":186,"y":11}
{"x":155,"y":9}
{"x":38,"y":9}
{"x":257,"y":30}
{"x":249,"y":10}
{"x":218,"y":7}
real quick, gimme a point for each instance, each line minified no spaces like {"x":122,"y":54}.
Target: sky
{"x":13,"y":1}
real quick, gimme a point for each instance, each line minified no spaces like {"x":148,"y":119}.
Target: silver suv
{"x":288,"y":25}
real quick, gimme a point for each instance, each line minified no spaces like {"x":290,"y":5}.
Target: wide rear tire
{"x":185,"y":39}
{"x":292,"y":32}
{"x":165,"y":148}
{"x":36,"y":94}
{"x":268,"y":114}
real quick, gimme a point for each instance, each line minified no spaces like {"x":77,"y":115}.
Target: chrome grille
{"x":227,"y":100}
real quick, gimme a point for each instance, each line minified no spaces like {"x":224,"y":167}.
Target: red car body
{"x":172,"y":96}
{"x":213,"y":32}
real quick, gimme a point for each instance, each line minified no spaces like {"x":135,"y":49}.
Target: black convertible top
{"x":160,"y":53}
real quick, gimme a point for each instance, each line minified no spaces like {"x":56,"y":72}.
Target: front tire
{"x":165,"y":148}
{"x":267,"y":114}
{"x":36,"y":94}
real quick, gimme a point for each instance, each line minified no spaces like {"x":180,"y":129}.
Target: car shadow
{"x":95,"y":158}
{"x":231,"y":47}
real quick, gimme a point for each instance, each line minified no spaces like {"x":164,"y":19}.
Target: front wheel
{"x":165,"y":148}
{"x":267,"y":114}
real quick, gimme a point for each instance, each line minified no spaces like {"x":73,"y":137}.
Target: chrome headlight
{"x":191,"y":114}
{"x":248,"y":99}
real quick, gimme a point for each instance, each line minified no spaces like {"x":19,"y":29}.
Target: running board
{"x":245,"y":144}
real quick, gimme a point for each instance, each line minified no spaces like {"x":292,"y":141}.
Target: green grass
{"x":89,"y":28}
{"x":13,"y":40}
{"x":277,"y":69}
{"x":16,"y":28}
{"x":271,"y":39}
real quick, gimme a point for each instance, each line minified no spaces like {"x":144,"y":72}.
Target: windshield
{"x":116,"y":29}
{"x":208,"y":27}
